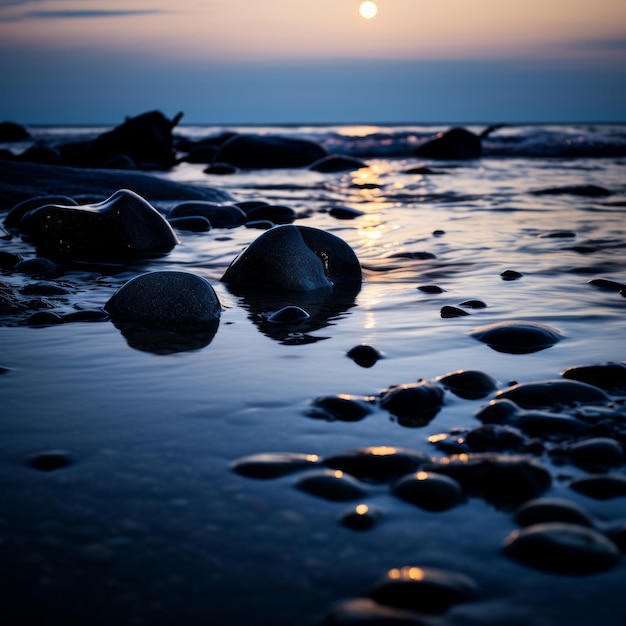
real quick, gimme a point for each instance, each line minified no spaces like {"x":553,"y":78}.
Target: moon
{"x":368,"y":10}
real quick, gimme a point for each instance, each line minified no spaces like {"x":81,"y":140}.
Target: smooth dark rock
{"x":557,"y":234}
{"x":345,"y":213}
{"x":416,"y":256}
{"x":609,"y":285}
{"x":44,"y":289}
{"x":15,"y":215}
{"x":220,"y":169}
{"x":8,"y":260}
{"x":366,"y":612}
{"x":44,"y":318}
{"x":344,"y":408}
{"x":601,"y":486}
{"x":498,"y":412}
{"x":468,"y":384}
{"x":43,"y":154}
{"x":431,"y":289}
{"x":337,"y":163}
{"x":413,"y":404}
{"x":273,"y":464}
{"x":542,"y":510}
{"x":510,"y":275}
{"x":473,"y":304}
{"x":122,"y":228}
{"x":36,"y":267}
{"x":95,"y":315}
{"x":562,"y":548}
{"x":170,"y":298}
{"x":10,"y":131}
{"x":331,"y":485}
{"x":193,"y":223}
{"x":429,"y":491}
{"x":361,"y":517}
{"x":259,"y":152}
{"x":50,"y":460}
{"x":495,"y":438}
{"x":364,"y":355}
{"x":456,"y":143}
{"x":422,"y":170}
{"x":607,"y":376}
{"x":288,"y":315}
{"x":517,"y":337}
{"x":377,"y":464}
{"x":587,"y":191}
{"x":275,"y":213}
{"x":452,"y":311}
{"x":543,"y":423}
{"x":220,"y":216}
{"x":597,"y":453}
{"x":248,"y":205}
{"x":550,"y":394}
{"x":294,"y":258}
{"x":424,"y":589}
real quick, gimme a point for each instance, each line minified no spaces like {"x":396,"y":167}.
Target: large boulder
{"x":294,"y":258}
{"x":260,"y":152}
{"x":123,"y":228}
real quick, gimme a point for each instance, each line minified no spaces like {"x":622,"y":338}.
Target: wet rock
{"x":171,"y":298}
{"x":473,"y":304}
{"x":608,"y":376}
{"x":331,"y":485}
{"x":431,"y":289}
{"x":468,"y":384}
{"x":413,"y":404}
{"x":345,"y":213}
{"x":517,"y":337}
{"x":194,"y":223}
{"x":550,"y":394}
{"x":273,"y":464}
{"x":456,"y":143}
{"x":288,"y":315}
{"x":364,"y":355}
{"x":495,"y":438}
{"x":44,"y":289}
{"x":294,"y":258}
{"x":36,"y":267}
{"x":543,"y":424}
{"x":500,"y":478}
{"x":220,"y":216}
{"x":557,"y":234}
{"x":415,"y":256}
{"x":562,"y":548}
{"x":586,"y":191}
{"x":452,"y":311}
{"x":247,"y":205}
{"x":43,"y":318}
{"x":366,"y":612}
{"x":95,"y":315}
{"x":429,"y":491}
{"x":510,"y":275}
{"x":422,"y":170}
{"x":123,"y":227}
{"x":617,"y":534}
{"x":450,"y":443}
{"x":343,"y":407}
{"x":220,"y":169}
{"x":361,"y":517}
{"x":40,"y":153}
{"x":337,"y":163}
{"x":424,"y":589}
{"x":50,"y":460}
{"x":15,"y":215}
{"x":10,"y":131}
{"x":542,"y":510}
{"x":596,"y":454}
{"x":8,"y":260}
{"x":608,"y":285}
{"x":377,"y":464}
{"x":601,"y":486}
{"x":255,"y":152}
{"x":275,"y":213}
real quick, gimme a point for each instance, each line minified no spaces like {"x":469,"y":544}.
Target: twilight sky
{"x":313,"y":61}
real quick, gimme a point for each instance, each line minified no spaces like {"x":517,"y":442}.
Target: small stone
{"x":219,"y":216}
{"x":15,"y":215}
{"x":597,"y":453}
{"x":517,"y":337}
{"x":344,"y":213}
{"x":364,"y":355}
{"x":37,"y":266}
{"x":44,"y":289}
{"x":473,"y":304}
{"x":562,"y":548}
{"x":415,"y":256}
{"x":586,"y":191}
{"x":495,"y":438}
{"x":424,"y":589}
{"x":50,"y":460}
{"x":337,"y":163}
{"x":288,"y":315}
{"x":541,"y":510}
{"x":608,"y":285}
{"x":542,"y":424}
{"x":273,"y":464}
{"x":414,"y":404}
{"x":429,"y":491}
{"x":275,"y":213}
{"x":8,"y":260}
{"x":342,"y":407}
{"x":608,"y":376}
{"x":452,"y":311}
{"x":549,"y":394}
{"x":220,"y":169}
{"x":432,"y":289}
{"x":468,"y":384}
{"x":601,"y":486}
{"x":331,"y":485}
{"x":361,"y":517}
{"x":43,"y":318}
{"x":501,"y":411}
{"x":510,"y":275}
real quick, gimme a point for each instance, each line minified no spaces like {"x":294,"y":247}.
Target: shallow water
{"x":150,"y":525}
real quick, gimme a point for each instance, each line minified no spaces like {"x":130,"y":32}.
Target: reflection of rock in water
{"x":161,"y":340}
{"x":324,"y":306}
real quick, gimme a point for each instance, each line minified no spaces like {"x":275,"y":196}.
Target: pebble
{"x":361,"y":517}
{"x":473,"y":304}
{"x":366,"y":612}
{"x":429,"y":491}
{"x":36,"y":266}
{"x":600,"y":486}
{"x":345,"y":213}
{"x":275,"y":213}
{"x":517,"y":337}
{"x":193,"y":223}
{"x":364,"y":355}
{"x":288,"y":315}
{"x":8,"y":260}
{"x":608,"y":376}
{"x":413,"y":404}
{"x":542,"y":424}
{"x":495,"y":438}
{"x":50,"y":460}
{"x":596,"y":454}
{"x":424,"y":589}
{"x":416,"y":256}
{"x":468,"y":384}
{"x":220,"y":169}
{"x":452,"y":311}
{"x":609,"y":285}
{"x":587,"y":191}
{"x":332,"y":485}
{"x":541,"y":510}
{"x":43,"y":318}
{"x":431,"y":289}
{"x":337,"y":163}
{"x":218,"y":215}
{"x":510,"y":275}
{"x":377,"y":464}
{"x":273,"y":464}
{"x":45,"y":289}
{"x":562,"y":548}
{"x":550,"y":394}
{"x":342,"y":407}
{"x":501,"y":411}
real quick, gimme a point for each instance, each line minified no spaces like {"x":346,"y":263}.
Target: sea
{"x":149,"y":524}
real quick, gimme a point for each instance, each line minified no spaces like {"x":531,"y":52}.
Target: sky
{"x":313,"y":61}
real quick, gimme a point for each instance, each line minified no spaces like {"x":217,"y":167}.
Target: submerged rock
{"x":343,"y":407}
{"x":331,"y":485}
{"x":586,"y":191}
{"x":361,"y":517}
{"x":429,"y":491}
{"x":601,"y":486}
{"x":337,"y":163}
{"x":517,"y":337}
{"x":468,"y":384}
{"x":11,"y":131}
{"x":607,"y":376}
{"x":122,"y":228}
{"x":543,"y":510}
{"x":495,"y":438}
{"x":273,"y":464}
{"x":366,"y":612}
{"x":413,"y":404}
{"x":452,"y":311}
{"x":219,"y":216}
{"x":456,"y":143}
{"x":274,"y":213}
{"x":550,"y":394}
{"x":50,"y":460}
{"x":364,"y":355}
{"x":562,"y":548}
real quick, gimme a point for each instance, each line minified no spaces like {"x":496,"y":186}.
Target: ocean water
{"x":150,"y":525}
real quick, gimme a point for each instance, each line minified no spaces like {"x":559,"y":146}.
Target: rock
{"x":39,"y":153}
{"x":273,"y":464}
{"x":166,"y":298}
{"x":542,"y":510}
{"x":550,"y":394}
{"x":586,"y":191}
{"x":473,"y":304}
{"x":288,"y":315}
{"x":543,"y":424}
{"x":44,"y":318}
{"x":601,"y":486}
{"x":124,"y":227}
{"x":429,"y":491}
{"x":337,"y":163}
{"x":495,"y":438}
{"x":608,"y":285}
{"x":468,"y":384}
{"x":193,"y":223}
{"x":36,"y":267}
{"x":607,"y":376}
{"x":596,"y":454}
{"x":501,"y":411}
{"x":431,"y":289}
{"x":294,"y":258}
{"x":366,"y":612}
{"x":424,"y":589}
{"x":275,"y":213}
{"x":510,"y":275}
{"x":220,"y":216}
{"x":456,"y":143}
{"x":50,"y":460}
{"x":43,"y":288}
{"x":361,"y":517}
{"x":364,"y":355}
{"x":15,"y":215}
{"x":344,"y":408}
{"x":248,"y":205}
{"x":562,"y":548}
{"x":345,"y":213}
{"x":10,"y":131}
{"x":260,"y":152}
{"x":414,"y":404}
{"x":452,"y":311}
{"x":331,"y":485}
{"x":220,"y":169}
{"x":517,"y":337}
{"x":422,"y":170}
{"x":415,"y":256}
{"x":377,"y":464}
